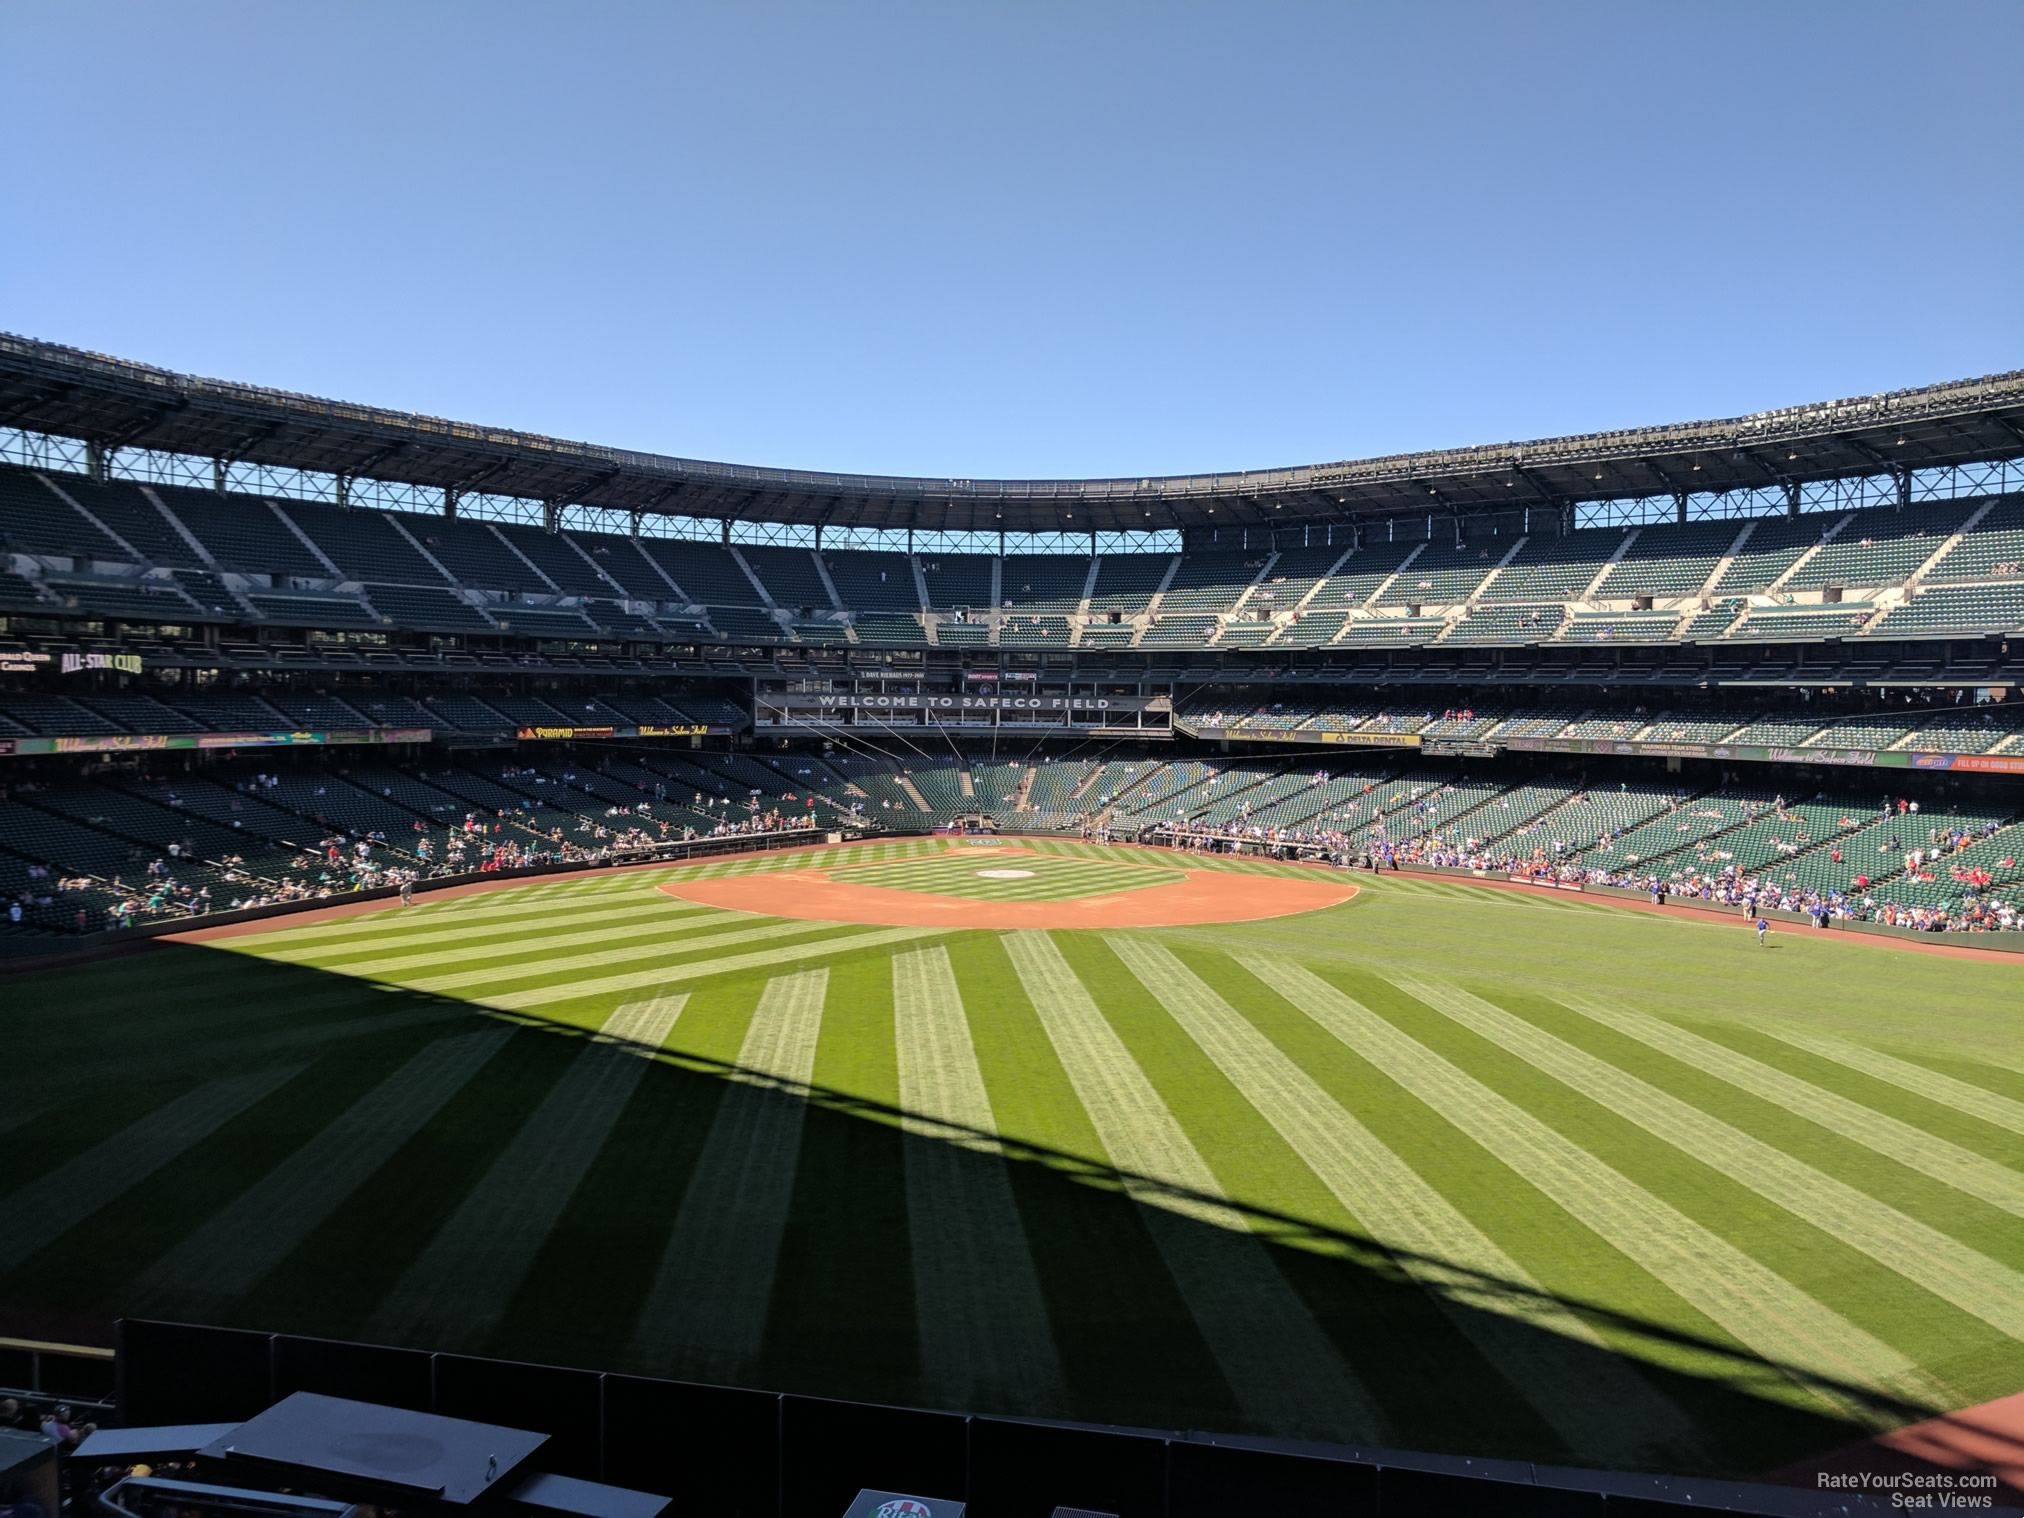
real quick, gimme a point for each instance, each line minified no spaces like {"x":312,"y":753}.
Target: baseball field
{"x":1053,"y":1128}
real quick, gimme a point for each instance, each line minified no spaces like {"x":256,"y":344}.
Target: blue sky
{"x":1029,"y":239}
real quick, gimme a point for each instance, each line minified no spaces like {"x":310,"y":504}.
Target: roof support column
{"x":1792,"y":498}
{"x":343,"y":489}
{"x":1680,"y":507}
{"x":551,"y":516}
{"x":818,"y":537}
{"x":1904,"y":489}
{"x":724,"y":531}
{"x":450,"y":500}
{"x":94,"y":462}
{"x":635,"y":524}
{"x":218,"y":475}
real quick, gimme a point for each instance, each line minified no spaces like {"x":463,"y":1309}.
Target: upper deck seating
{"x":306,"y":609}
{"x":790,"y":576}
{"x":143,"y":600}
{"x":1044,"y":581}
{"x":1291,"y":575}
{"x":421,"y":606}
{"x":1843,"y":619}
{"x":1956,"y":608}
{"x":35,"y":519}
{"x":1881,"y":547}
{"x":1507,"y":624}
{"x":868,"y":581}
{"x":1125,"y":582}
{"x":957,"y":580}
{"x":1773,"y":546}
{"x":1210,"y":582}
{"x":706,"y":572}
{"x":366,"y":544}
{"x":542,"y":621}
{"x":619,"y":558}
{"x":556,"y":556}
{"x":242,"y":533}
{"x":1360,"y":576}
{"x":475,"y":555}
{"x":1669,"y":559}
{"x":1620,"y":627}
{"x":1549,"y":568}
{"x":125,"y":510}
{"x":1994,"y":550}
{"x":1445,"y":573}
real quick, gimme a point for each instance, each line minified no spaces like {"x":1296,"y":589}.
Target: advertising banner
{"x":1989,"y":764}
{"x":645,"y":730}
{"x":131,"y":743}
{"x":1280,"y":735}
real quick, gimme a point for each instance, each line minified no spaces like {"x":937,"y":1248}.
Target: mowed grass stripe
{"x":578,"y":1300}
{"x":983,"y":1325}
{"x":707,"y":1306}
{"x":845,"y":1280}
{"x":482,"y":912}
{"x":643,"y":1025}
{"x":1912,"y":1147}
{"x":1962,"y":1277}
{"x":234,"y":1249}
{"x":469,"y":1270}
{"x":569,"y":989}
{"x":1130,"y":1345}
{"x":1437,"y":1247}
{"x":65,"y":1195}
{"x":535,"y":962}
{"x":1760,"y":1309}
{"x":1917,"y":1079}
{"x":1269,"y":1347}
{"x":560,"y":931}
{"x":638,"y":922}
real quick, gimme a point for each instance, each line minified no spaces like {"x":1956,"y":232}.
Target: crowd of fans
{"x":175,"y":881}
{"x":1396,"y":832}
{"x":43,"y":1415}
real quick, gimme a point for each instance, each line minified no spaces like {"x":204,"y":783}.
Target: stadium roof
{"x":48,"y":388}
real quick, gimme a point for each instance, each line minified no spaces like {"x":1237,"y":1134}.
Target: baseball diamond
{"x":1393,"y":1168}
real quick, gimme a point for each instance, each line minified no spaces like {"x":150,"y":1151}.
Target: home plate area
{"x":1038,"y":891}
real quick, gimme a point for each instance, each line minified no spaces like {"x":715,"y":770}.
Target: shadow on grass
{"x":1121,"y":1282}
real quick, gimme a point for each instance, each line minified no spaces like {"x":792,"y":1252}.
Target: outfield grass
{"x":1444,"y":1167}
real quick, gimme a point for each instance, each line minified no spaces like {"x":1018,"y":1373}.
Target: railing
{"x":80,"y":1374}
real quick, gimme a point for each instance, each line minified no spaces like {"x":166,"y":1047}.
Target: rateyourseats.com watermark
{"x":1916,"y":1489}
